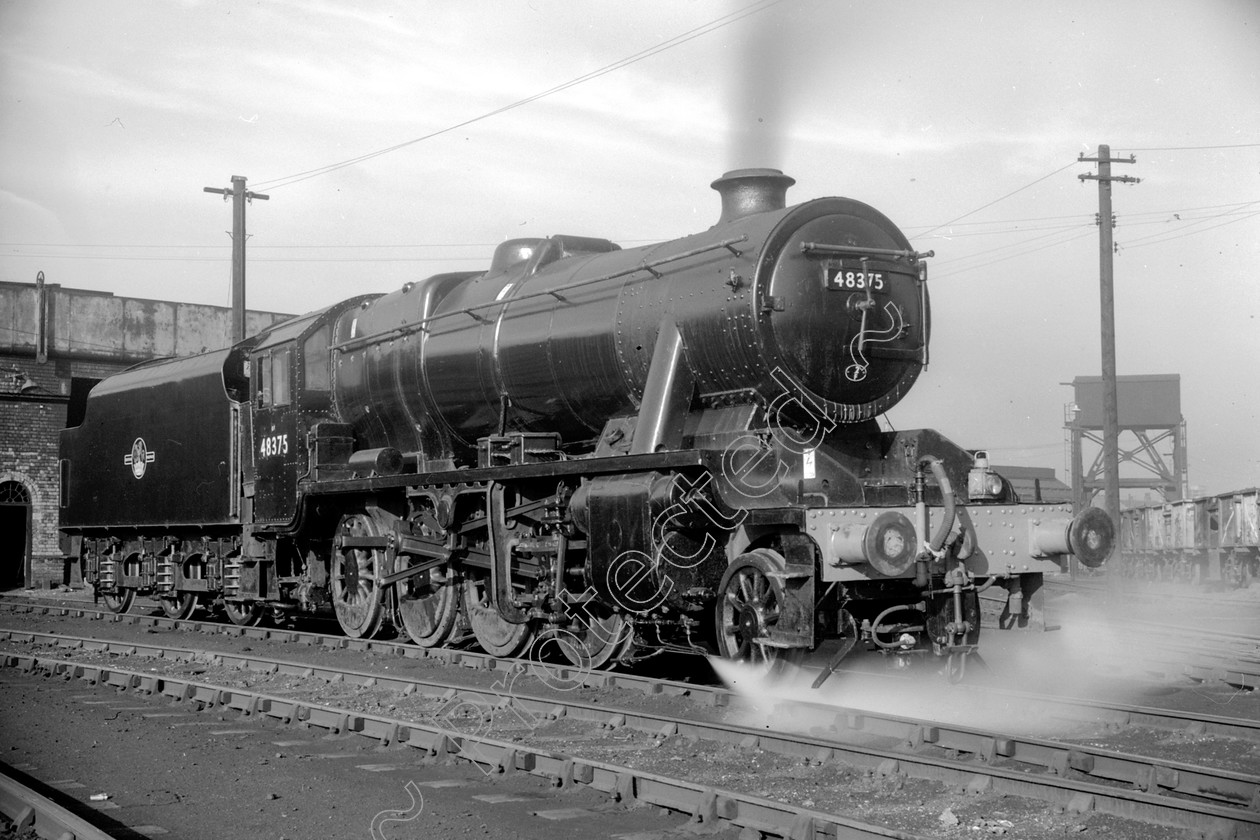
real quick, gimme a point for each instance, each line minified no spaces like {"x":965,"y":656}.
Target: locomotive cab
{"x":292,"y":410}
{"x":280,"y":398}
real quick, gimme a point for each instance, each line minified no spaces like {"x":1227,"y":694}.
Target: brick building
{"x":55,"y":343}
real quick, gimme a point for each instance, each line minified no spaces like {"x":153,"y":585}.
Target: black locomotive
{"x":620,"y":451}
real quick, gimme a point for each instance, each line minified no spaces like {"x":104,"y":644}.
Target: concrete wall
{"x":79,"y":323}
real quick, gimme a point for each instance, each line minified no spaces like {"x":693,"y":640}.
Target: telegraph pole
{"x":239,"y":196}
{"x":1111,"y":411}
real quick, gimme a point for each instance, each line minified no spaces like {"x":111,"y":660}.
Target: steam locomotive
{"x":613,"y":452}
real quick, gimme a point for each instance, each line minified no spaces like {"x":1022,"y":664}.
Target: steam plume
{"x":759,"y":98}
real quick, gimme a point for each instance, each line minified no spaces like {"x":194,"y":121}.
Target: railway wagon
{"x":601,"y":452}
{"x":1201,"y":540}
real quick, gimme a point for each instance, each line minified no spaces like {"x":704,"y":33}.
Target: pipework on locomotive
{"x":600,"y":451}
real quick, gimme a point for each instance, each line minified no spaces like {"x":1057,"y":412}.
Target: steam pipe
{"x":937,"y":543}
{"x":666,"y":394}
{"x":876,"y":624}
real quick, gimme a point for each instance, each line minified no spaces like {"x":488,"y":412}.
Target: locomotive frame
{"x":594,"y":452}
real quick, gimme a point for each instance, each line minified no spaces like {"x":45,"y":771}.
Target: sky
{"x":396,"y":140}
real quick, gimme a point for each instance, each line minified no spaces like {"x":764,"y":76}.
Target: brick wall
{"x":30,"y":426}
{"x":30,"y":423}
{"x":28,"y":455}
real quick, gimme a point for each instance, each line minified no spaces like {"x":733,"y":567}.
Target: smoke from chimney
{"x":758,"y":103}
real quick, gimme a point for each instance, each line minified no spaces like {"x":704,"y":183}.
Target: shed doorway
{"x":15,"y":534}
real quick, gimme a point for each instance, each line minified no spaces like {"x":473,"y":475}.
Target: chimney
{"x":748,"y":191}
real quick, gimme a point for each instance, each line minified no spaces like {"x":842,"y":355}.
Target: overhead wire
{"x":1068,"y":166}
{"x":999,"y":226}
{"x":251,"y":247}
{"x":938,"y":275}
{"x":1190,"y":227}
{"x":1014,"y":225}
{"x":677,"y":40}
{"x":1027,"y":241}
{"x":1001,"y":231}
{"x":1001,"y":199}
{"x":963,"y":264}
{"x":1157,"y":238}
{"x":1192,"y":148}
{"x":354,"y":259}
{"x":1061,"y":234}
{"x":1062,"y":240}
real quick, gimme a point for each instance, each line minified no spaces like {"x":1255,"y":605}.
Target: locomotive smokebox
{"x":748,"y":191}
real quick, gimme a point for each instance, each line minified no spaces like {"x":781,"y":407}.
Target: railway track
{"x":1174,"y":633}
{"x":1237,"y":670}
{"x":1072,"y":776}
{"x":707,"y":805}
{"x":1206,"y":592}
{"x":27,"y":808}
{"x":168,"y":768}
{"x":1217,"y":606}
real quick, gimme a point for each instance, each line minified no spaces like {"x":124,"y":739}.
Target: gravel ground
{"x":172,"y":773}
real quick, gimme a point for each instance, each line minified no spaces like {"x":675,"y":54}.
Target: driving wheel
{"x":357,"y":597}
{"x":496,"y":635}
{"x":428,"y":603}
{"x":750,"y":604}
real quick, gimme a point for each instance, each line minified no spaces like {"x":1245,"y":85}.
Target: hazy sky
{"x":962,"y":121}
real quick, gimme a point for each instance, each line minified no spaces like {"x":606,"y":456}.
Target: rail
{"x":29,"y":810}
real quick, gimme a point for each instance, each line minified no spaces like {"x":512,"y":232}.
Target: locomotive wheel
{"x":179,"y":606}
{"x":119,"y":601}
{"x":243,"y":613}
{"x":749,"y":603}
{"x":596,"y":638}
{"x":427,"y":604}
{"x":496,"y":636}
{"x":355,"y":593}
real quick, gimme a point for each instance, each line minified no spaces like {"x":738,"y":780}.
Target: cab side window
{"x":280,"y":380}
{"x":315,"y":356}
{"x":262,"y":377}
{"x":274,"y":377}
